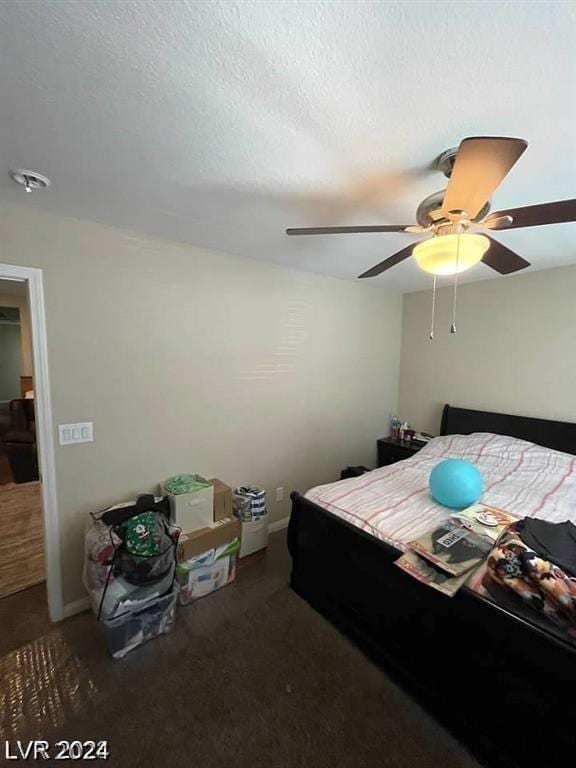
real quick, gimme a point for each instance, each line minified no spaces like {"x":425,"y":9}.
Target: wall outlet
{"x":279,"y":494}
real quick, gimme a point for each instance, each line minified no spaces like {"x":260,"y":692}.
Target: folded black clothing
{"x":144,"y":503}
{"x":555,"y":542}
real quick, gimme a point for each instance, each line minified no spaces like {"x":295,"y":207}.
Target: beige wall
{"x":186,"y":359}
{"x":514,"y":350}
{"x":10,"y":299}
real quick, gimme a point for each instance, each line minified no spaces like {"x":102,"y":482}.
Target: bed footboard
{"x":501,"y":685}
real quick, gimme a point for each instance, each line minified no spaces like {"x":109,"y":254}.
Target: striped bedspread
{"x":393,"y":503}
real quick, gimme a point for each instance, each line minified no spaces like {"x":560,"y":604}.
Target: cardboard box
{"x":205,"y":573}
{"x":199,"y":582}
{"x":194,"y":543}
{"x":222,"y":499}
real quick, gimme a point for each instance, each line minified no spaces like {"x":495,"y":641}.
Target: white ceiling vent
{"x":30,"y":179}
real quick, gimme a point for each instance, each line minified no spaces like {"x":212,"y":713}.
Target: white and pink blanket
{"x":394,"y":504}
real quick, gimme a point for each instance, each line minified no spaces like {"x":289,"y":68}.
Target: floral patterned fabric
{"x":540,"y":583}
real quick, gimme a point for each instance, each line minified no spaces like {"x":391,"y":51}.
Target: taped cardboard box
{"x":222,"y":499}
{"x":196,"y":542}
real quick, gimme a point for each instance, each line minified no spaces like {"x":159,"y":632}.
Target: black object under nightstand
{"x":353,"y":472}
{"x":391,"y":450}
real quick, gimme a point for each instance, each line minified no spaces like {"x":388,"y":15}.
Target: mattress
{"x":393,"y":503}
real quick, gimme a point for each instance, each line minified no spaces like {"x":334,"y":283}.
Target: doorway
{"x":21,"y":530}
{"x":29,"y":535}
{"x":12,"y":343}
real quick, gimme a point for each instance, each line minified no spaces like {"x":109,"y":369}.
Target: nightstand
{"x":391,"y":450}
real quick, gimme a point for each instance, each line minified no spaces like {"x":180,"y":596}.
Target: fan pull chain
{"x":433,"y":308}
{"x":453,"y":325}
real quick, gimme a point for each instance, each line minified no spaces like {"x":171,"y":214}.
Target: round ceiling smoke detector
{"x":30,"y":179}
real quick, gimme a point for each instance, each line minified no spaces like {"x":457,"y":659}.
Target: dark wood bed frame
{"x":503,"y":684}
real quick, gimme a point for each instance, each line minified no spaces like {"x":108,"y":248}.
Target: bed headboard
{"x":559,"y":435}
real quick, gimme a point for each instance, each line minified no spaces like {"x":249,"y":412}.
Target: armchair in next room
{"x":20,"y":441}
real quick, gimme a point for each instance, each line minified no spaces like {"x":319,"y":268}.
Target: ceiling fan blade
{"x":347,"y":230}
{"x":502,"y":259}
{"x":416,"y":229}
{"x":536,"y":215}
{"x":481,"y":165}
{"x":391,"y":261}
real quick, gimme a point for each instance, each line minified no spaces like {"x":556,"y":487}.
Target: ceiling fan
{"x":459,"y":217}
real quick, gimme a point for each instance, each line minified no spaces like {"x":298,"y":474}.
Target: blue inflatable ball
{"x":455,"y":483}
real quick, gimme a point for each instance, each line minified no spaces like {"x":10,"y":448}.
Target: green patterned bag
{"x":141,"y":535}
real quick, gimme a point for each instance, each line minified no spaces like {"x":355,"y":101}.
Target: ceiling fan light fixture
{"x":450,"y":254}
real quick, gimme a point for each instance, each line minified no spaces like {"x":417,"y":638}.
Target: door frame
{"x":33,"y":277}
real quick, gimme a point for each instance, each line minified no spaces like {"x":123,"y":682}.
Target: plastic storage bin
{"x":254,"y":536}
{"x":134,"y":628}
{"x":120,"y":596}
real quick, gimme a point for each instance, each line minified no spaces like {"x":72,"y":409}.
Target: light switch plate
{"x":71,"y":434}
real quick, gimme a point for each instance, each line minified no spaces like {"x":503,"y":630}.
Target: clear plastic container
{"x":121,"y":596}
{"x":134,"y":628}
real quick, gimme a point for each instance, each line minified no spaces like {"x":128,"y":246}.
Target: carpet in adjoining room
{"x":21,"y":537}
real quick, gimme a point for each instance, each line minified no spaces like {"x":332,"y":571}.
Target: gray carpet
{"x":250,"y":677}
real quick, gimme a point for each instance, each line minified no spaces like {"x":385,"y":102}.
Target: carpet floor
{"x":250,"y":677}
{"x":21,"y":537}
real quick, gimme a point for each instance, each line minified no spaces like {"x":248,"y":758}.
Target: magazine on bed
{"x":485,"y":520}
{"x":464,"y":540}
{"x":431,"y":575}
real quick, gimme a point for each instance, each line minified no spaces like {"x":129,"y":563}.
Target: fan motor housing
{"x":430,"y":210}
{"x":445,"y":161}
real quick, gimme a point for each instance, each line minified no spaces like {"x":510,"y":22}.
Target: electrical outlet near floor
{"x":279,"y":494}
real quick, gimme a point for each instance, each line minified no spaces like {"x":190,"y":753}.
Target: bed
{"x":501,"y":680}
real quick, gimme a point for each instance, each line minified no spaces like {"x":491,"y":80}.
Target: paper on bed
{"x":464,"y":540}
{"x":472,"y":518}
{"x":430,"y":575}
{"x":452,"y":547}
{"x":431,"y":568}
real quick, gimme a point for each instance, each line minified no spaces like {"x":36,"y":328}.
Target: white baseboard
{"x":78,"y":606}
{"x":279,"y":525}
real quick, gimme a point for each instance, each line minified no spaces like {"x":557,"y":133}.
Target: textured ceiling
{"x":222,"y":123}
